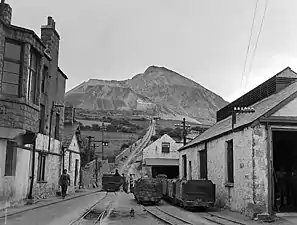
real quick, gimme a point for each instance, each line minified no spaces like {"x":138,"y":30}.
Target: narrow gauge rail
{"x":100,"y":217}
{"x":166,"y":216}
{"x":221,"y":220}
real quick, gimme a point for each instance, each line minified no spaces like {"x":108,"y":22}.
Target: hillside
{"x":157,"y":91}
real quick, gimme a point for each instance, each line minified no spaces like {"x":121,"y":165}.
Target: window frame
{"x":10,"y":168}
{"x":10,"y":60}
{"x":31,"y":71}
{"x":162,"y":147}
{"x":41,"y":167}
{"x":230,"y":161}
{"x":44,"y":78}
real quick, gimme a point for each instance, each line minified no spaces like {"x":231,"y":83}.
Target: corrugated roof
{"x":260,"y":107}
{"x":68,"y":133}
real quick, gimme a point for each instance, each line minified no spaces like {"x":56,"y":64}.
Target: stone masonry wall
{"x":50,"y":185}
{"x":89,"y":175}
{"x":249,"y":193}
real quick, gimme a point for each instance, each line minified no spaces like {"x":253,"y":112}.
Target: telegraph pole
{"x":184,"y":128}
{"x":96,"y":162}
{"x":102,"y":140}
{"x":89,"y":147}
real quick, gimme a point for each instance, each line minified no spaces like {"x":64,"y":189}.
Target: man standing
{"x":64,"y":182}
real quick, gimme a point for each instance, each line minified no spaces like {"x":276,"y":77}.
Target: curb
{"x":49,"y":203}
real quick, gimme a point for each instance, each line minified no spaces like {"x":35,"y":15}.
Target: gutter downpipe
{"x":32,"y":171}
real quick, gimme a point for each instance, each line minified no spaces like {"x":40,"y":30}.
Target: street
{"x":59,"y":213}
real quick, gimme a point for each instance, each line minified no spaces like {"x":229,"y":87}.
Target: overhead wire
{"x":257,"y":41}
{"x":249,"y":44}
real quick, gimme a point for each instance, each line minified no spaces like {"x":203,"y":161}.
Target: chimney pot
{"x":49,"y":20}
{"x":5,"y":12}
{"x":54,"y":24}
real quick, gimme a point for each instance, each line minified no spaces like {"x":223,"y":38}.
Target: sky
{"x":204,"y":40}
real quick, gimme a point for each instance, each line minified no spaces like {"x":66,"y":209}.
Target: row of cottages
{"x":161,"y":157}
{"x":243,"y":161}
{"x":32,"y":90}
{"x":73,"y":146}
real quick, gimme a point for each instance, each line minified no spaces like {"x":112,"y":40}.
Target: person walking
{"x":64,"y":182}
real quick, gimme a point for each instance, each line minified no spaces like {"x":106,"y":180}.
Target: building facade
{"x":161,"y":157}
{"x":30,"y":84}
{"x":72,"y":146}
{"x":242,"y":161}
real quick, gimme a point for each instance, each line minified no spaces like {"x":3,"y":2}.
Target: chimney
{"x":69,"y":114}
{"x":5,"y":12}
{"x":50,"y":38}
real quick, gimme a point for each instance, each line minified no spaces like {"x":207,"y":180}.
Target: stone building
{"x":32,"y":90}
{"x":242,"y":160}
{"x":161,"y":157}
{"x":73,"y":147}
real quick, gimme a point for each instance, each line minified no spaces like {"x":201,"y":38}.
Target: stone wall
{"x":249,"y":192}
{"x":14,"y":189}
{"x":50,"y":185}
{"x":88,"y":173}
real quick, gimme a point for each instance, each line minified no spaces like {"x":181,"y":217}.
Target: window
{"x":11,"y":69}
{"x":32,"y":77}
{"x":44,"y":77}
{"x":41,"y":167}
{"x":165,"y":147}
{"x":70,"y":157}
{"x":10,"y":161}
{"x":230,"y":163}
{"x":42,"y":119}
{"x":57,"y":126}
{"x":203,"y":164}
{"x":185,"y":166}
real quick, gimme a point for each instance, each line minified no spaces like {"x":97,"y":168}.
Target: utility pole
{"x":96,"y":171}
{"x":104,"y":143}
{"x":238,"y":110}
{"x":102,"y":139}
{"x":89,"y":147}
{"x":184,"y":130}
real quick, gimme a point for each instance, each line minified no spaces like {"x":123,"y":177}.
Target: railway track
{"x":96,"y":218}
{"x":220,"y":220}
{"x":165,"y":216}
{"x":146,"y":139}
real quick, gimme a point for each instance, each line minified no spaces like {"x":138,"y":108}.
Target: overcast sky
{"x":204,"y":40}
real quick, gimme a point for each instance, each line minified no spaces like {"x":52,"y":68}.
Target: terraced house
{"x":32,"y":89}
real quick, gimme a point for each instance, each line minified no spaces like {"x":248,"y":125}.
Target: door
{"x":76,"y":172}
{"x":190,"y":170}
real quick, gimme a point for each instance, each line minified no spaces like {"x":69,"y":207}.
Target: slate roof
{"x":68,"y":133}
{"x":261,"y":108}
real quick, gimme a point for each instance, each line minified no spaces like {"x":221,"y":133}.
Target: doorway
{"x":76,"y":172}
{"x":284,"y":171}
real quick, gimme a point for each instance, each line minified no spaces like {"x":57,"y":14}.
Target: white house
{"x":243,"y":161}
{"x":72,"y":145}
{"x":161,"y":157}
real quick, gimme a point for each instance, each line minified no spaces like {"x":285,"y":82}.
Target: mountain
{"x":158,"y":91}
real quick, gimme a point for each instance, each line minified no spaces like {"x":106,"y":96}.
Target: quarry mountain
{"x":158,"y":91}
